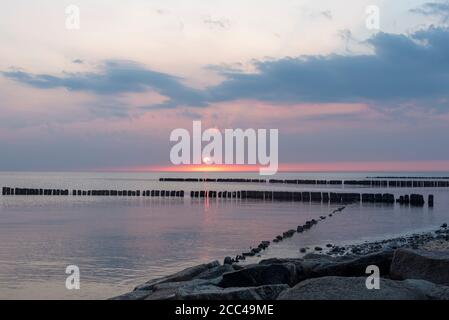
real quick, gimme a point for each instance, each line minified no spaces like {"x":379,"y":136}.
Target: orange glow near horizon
{"x":300,"y":167}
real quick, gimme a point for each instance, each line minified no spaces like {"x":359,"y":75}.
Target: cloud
{"x":115,"y":77}
{"x":222,"y":23}
{"x":327,"y":14}
{"x":401,"y":68}
{"x":438,"y":9}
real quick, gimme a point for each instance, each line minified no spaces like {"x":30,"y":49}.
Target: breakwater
{"x":304,"y":196}
{"x":365,"y":183}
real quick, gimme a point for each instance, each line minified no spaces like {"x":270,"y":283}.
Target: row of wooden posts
{"x":325,"y":197}
{"x":332,"y":197}
{"x":366,"y":183}
{"x":111,"y":193}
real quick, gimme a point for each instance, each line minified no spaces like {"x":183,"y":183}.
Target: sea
{"x":120,"y":242}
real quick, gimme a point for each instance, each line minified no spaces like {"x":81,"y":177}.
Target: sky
{"x":106,"y":95}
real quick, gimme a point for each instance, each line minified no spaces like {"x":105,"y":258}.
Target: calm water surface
{"x":120,"y":242}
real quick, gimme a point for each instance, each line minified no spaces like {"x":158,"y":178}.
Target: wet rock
{"x":169,"y":290}
{"x":355,"y":266}
{"x":280,"y":261}
{"x":303,"y":250}
{"x":300,"y":229}
{"x":216,"y":272}
{"x":134,"y":295}
{"x":354,"y":288}
{"x":259,"y":275}
{"x":318,"y":249}
{"x":248,"y":254}
{"x":210,"y":292}
{"x":289,"y":233}
{"x":420,"y":264}
{"x":227,"y":260}
{"x":264,"y":244}
{"x":184,"y":275}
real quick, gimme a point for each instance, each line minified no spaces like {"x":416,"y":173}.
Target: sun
{"x":207,"y":160}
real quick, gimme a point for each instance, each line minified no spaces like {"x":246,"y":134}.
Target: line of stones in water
{"x":257,"y":251}
{"x":365,"y":183}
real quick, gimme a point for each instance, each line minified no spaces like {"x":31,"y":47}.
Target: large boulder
{"x":261,"y":274}
{"x":420,"y":264}
{"x":169,"y":290}
{"x":216,"y":271}
{"x":354,"y":288}
{"x":184,"y":275}
{"x":211,"y":292}
{"x":133,"y":295}
{"x":351,"y":268}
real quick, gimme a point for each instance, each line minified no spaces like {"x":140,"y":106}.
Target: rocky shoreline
{"x":413,"y":267}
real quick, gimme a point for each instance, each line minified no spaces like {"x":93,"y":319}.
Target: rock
{"x":420,"y":264}
{"x":317,"y":256}
{"x":280,"y":261}
{"x":256,"y":250}
{"x":289,"y":233}
{"x":227,"y":260}
{"x":318,"y":249}
{"x":329,"y":245}
{"x":393,"y":245}
{"x":303,"y":250}
{"x":210,"y":292}
{"x":354,"y":267}
{"x":239,"y":257}
{"x":169,"y":290}
{"x":216,"y":272}
{"x":261,"y":274}
{"x":134,"y":295}
{"x":184,"y":275}
{"x":300,"y":229}
{"x":264,"y":244}
{"x":354,"y":288}
{"x":444,"y":225}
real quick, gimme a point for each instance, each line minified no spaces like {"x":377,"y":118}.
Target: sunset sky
{"x":107,"y":95}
